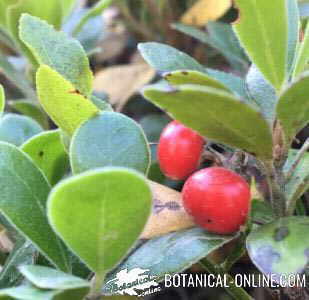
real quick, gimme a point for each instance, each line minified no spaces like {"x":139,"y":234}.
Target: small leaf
{"x":256,"y":23}
{"x":48,"y":278}
{"x":24,"y":192}
{"x":16,"y":77}
{"x":95,"y":11}
{"x":2,"y":99}
{"x":205,"y":10}
{"x":299,"y":181}
{"x":32,"y":110}
{"x":165,"y":58}
{"x":58,"y":51}
{"x":279,"y":248}
{"x":192,"y":77}
{"x":26,"y":292}
{"x":66,"y":107}
{"x":243,"y":127}
{"x":293,"y":107}
{"x":171,"y":253}
{"x":263,"y":92}
{"x":16,"y":129}
{"x":109,"y":139}
{"x":302,"y":54}
{"x":48,"y":153}
{"x":23,"y":253}
{"x":93,"y":211}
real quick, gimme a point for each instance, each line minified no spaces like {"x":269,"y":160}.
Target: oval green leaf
{"x":100,"y":214}
{"x":48,"y":153}
{"x":16,"y":129}
{"x":204,"y":109}
{"x":24,"y":191}
{"x":109,"y":139}
{"x":293,"y":107}
{"x":55,"y":49}
{"x":170,"y":254}
{"x":279,"y":248}
{"x":256,"y":23}
{"x":66,"y":107}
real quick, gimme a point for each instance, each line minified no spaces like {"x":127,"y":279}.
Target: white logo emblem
{"x":137,"y":282}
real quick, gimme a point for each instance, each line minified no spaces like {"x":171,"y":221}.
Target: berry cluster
{"x":216,"y":198}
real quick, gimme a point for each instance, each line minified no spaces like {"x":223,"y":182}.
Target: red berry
{"x":179,"y":151}
{"x":217,"y":199}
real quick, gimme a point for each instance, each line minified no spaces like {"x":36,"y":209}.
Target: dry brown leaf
{"x":168,"y":214}
{"x":205,"y":10}
{"x":122,"y":82}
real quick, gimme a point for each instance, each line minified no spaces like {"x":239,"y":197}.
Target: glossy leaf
{"x":93,"y":211}
{"x":48,"y":278}
{"x":2,"y":99}
{"x":96,"y":10}
{"x":293,"y":32}
{"x":192,"y":77}
{"x":48,"y":153}
{"x":256,"y":23}
{"x":109,"y":139}
{"x":165,"y":58}
{"x":171,"y":253}
{"x":262,"y":92}
{"x":293,"y":107}
{"x":16,"y":129}
{"x":57,"y":50}
{"x":302,"y":54}
{"x":66,"y":107}
{"x":22,"y":253}
{"x":32,"y":110}
{"x":299,"y":181}
{"x":279,"y":248}
{"x":24,"y":194}
{"x":242,"y":127}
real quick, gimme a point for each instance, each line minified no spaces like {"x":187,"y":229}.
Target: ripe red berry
{"x":179,"y":151}
{"x":217,"y":199}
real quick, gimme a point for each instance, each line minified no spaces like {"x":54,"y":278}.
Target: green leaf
{"x":58,"y":51}
{"x":261,"y":212}
{"x":48,"y":278}
{"x":256,"y":23}
{"x":50,"y":11}
{"x":299,"y":181}
{"x":93,"y":211}
{"x":192,"y":77}
{"x":293,"y":32}
{"x":101,"y":104}
{"x":48,"y":153}
{"x":302,"y":54}
{"x":109,"y":139}
{"x":24,"y":192}
{"x":67,"y":7}
{"x":279,"y":248}
{"x":59,"y":99}
{"x":26,"y":292}
{"x":2,"y":99}
{"x":16,"y":77}
{"x":17,"y":129}
{"x":171,"y":253}
{"x":242,"y":127}
{"x":32,"y":110}
{"x":165,"y":58}
{"x":4,"y":4}
{"x":262,"y":92}
{"x":22,"y":253}
{"x":293,"y":107}
{"x":95,"y":11}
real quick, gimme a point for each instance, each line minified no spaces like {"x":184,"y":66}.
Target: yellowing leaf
{"x":205,"y":10}
{"x":121,"y":82}
{"x":62,"y":102}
